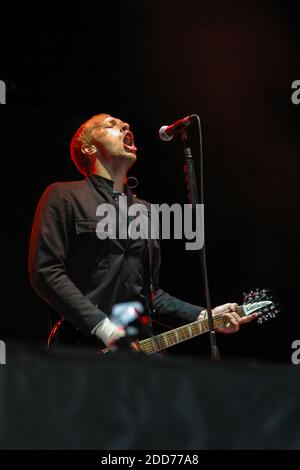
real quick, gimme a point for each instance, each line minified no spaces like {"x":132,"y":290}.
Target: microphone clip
{"x":167,"y":133}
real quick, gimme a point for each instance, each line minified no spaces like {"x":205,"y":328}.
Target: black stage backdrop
{"x":150,"y":63}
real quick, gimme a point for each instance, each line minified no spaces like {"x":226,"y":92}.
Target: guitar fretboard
{"x":180,"y":334}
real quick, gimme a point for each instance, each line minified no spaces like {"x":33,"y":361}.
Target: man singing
{"x":82,"y":276}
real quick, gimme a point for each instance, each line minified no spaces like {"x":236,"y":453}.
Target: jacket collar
{"x":102,"y":183}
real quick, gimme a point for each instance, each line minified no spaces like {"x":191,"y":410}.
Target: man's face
{"x":113,"y":139}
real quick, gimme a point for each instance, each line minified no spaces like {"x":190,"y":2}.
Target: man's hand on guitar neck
{"x":232,"y":320}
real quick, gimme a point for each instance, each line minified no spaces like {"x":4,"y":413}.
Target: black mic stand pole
{"x":193,"y":198}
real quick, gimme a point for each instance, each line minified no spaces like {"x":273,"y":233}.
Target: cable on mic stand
{"x":194,"y":199}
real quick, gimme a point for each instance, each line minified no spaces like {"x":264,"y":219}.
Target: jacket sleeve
{"x":48,"y":250}
{"x":166,"y":304}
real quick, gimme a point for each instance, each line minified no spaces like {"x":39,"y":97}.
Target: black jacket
{"x":81,"y":276}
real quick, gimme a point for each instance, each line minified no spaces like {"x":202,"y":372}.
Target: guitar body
{"x":63,"y":334}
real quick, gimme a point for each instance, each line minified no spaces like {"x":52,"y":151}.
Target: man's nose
{"x":125,"y":126}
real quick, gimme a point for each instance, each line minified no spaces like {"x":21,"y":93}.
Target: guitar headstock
{"x":262,"y":302}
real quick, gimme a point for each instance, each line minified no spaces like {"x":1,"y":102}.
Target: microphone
{"x":167,"y":132}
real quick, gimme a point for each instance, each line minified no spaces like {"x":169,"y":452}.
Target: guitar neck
{"x":180,"y":334}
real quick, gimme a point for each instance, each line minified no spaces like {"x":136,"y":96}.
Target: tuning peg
{"x":263,"y":318}
{"x":276,"y":312}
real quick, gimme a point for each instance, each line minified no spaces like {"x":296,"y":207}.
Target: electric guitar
{"x":259,"y":301}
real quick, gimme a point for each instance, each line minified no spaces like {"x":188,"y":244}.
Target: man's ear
{"x":88,"y":149}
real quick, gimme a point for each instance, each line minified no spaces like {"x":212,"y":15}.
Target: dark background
{"x":150,"y":63}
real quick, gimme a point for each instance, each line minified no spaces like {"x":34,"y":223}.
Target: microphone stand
{"x":193,"y":198}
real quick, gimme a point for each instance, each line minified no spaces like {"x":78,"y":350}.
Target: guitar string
{"x":156,"y":343}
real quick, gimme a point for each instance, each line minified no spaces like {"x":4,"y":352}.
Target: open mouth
{"x":128,"y":142}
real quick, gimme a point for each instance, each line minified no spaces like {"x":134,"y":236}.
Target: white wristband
{"x":108,"y":332}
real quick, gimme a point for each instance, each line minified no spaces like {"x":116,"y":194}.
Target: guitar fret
{"x":171,"y":338}
{"x":176,"y":336}
{"x":150,"y":346}
{"x":194,"y":329}
{"x":180,"y":334}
